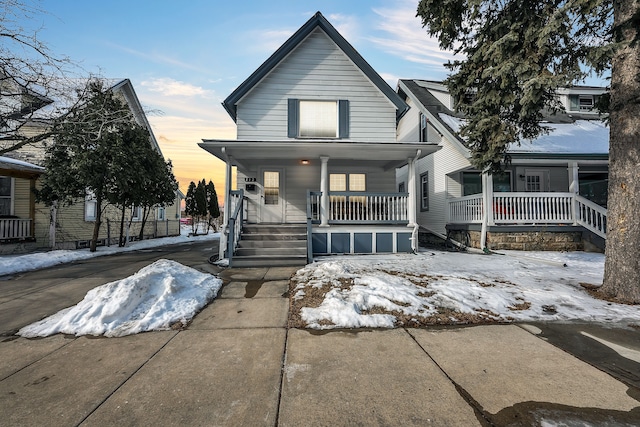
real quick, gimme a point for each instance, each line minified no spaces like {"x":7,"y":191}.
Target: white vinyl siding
{"x":316,"y":70}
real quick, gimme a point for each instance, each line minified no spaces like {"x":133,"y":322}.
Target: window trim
{"x":424,"y":198}
{"x":161,"y":213}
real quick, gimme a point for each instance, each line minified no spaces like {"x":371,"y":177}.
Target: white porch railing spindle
{"x":15,"y":228}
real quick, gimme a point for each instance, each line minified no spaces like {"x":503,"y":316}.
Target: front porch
{"x":529,"y":219}
{"x":344,"y":192}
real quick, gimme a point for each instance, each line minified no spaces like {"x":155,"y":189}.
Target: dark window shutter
{"x":343,"y":118}
{"x":292,"y":114}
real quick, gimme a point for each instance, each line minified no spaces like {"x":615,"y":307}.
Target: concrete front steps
{"x":271,"y":245}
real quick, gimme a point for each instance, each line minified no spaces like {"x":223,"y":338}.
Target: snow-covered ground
{"x":445,"y":287}
{"x":12,"y":264}
{"x":349,"y":291}
{"x":159,"y":296}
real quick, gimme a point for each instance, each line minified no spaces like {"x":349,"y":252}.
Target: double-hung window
{"x":6,"y":197}
{"x":160,"y":213}
{"x":90,"y":207}
{"x":136,"y":213}
{"x":318,"y":118}
{"x":424,"y":191}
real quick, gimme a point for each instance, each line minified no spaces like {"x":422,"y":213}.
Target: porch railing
{"x":365,"y":207}
{"x":15,"y":228}
{"x":591,"y":216}
{"x":537,"y":208}
{"x":234,"y":227}
{"x":530,"y":208}
{"x":466,"y":210}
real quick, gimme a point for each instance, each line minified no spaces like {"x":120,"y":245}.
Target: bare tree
{"x":35,"y":85}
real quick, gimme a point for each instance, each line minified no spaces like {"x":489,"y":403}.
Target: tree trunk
{"x":96,"y":225}
{"x":622,"y":263}
{"x":121,"y":238}
{"x":145,"y":216}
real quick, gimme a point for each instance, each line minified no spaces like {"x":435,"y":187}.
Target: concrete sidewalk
{"x":238,"y":364}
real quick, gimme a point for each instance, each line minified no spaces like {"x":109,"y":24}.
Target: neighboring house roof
{"x":318,"y":20}
{"x":569,"y":134}
{"x":126,"y":87}
{"x":19,"y":169}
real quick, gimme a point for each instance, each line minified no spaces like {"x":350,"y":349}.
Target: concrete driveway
{"x":31,"y":296}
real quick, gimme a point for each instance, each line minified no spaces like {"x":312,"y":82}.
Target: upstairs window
{"x":318,"y":118}
{"x":423,"y":128}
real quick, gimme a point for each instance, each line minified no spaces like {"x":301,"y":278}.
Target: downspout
{"x":485,"y":212}
{"x":412,"y":201}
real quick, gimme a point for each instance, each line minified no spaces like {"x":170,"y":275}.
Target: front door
{"x":271,"y":210}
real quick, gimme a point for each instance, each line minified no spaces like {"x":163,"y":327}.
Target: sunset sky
{"x":185,"y":57}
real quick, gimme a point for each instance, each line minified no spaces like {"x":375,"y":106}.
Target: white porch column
{"x":411,"y":188}
{"x":324,"y":187}
{"x":574,"y":185}
{"x":487,"y":207}
{"x":227,"y":209}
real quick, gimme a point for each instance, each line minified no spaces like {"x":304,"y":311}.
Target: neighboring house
{"x":316,"y":156}
{"x":26,"y":225}
{"x":552,"y":195}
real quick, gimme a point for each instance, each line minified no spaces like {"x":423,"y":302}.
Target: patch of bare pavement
{"x":239,"y":363}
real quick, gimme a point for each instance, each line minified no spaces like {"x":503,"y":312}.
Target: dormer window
{"x":318,"y":118}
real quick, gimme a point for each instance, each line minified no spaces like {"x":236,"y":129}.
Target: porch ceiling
{"x":250,"y":154}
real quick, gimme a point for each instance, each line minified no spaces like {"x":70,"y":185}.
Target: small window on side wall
{"x":90,"y":207}
{"x":424,"y":191}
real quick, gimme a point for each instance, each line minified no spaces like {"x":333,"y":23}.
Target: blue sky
{"x":185,"y":57}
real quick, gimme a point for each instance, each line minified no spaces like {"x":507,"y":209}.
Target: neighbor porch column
{"x":324,"y":187}
{"x":574,"y":184}
{"x":574,"y":188}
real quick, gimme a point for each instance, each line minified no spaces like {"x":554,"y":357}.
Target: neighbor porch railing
{"x":15,"y":228}
{"x":234,"y":226}
{"x":530,"y":208}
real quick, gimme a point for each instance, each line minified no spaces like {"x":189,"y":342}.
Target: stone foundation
{"x":542,"y":239}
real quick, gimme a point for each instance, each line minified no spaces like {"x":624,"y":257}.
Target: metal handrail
{"x":234,"y":227}
{"x":312,"y":217}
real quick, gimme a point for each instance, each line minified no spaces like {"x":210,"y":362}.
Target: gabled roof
{"x":126,"y":88}
{"x":569,"y":134}
{"x":318,"y":20}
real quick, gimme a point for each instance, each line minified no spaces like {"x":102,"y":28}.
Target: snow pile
{"x":155,"y":298}
{"x":444,"y":287}
{"x":12,"y":264}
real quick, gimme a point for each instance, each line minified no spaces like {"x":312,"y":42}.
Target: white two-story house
{"x":552,"y":194}
{"x":316,"y":156}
